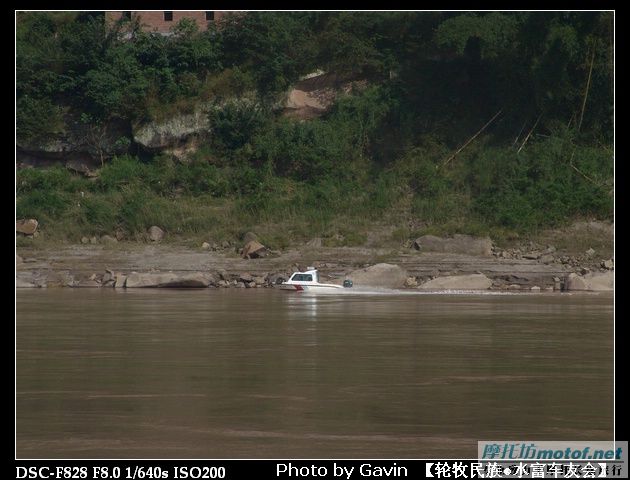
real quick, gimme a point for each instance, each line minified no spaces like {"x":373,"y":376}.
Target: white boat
{"x":308,"y":281}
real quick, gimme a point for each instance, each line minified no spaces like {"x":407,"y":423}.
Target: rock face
{"x":305,"y":105}
{"x":476,"y":281}
{"x":26,"y":226}
{"x":157,"y":136}
{"x":166,"y":280}
{"x":315,"y":94}
{"x":253,"y":249}
{"x":593,"y":282}
{"x":382,"y":275}
{"x":77,"y":143}
{"x":181,"y":134}
{"x":465,"y":244}
{"x":156,"y":234}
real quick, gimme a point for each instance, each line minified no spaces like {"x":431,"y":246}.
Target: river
{"x":107,"y":373}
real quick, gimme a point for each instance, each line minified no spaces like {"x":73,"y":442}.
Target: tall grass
{"x":494,"y":190}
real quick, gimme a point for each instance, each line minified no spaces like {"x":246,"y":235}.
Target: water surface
{"x":267,"y":374}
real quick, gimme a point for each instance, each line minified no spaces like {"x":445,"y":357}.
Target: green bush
{"x":236,"y":122}
{"x":55,"y":179}
{"x":43,"y":205}
{"x":37,"y":119}
{"x":539,"y":187}
{"x":122,"y":171}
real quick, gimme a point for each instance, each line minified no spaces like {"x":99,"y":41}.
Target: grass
{"x":208,"y":200}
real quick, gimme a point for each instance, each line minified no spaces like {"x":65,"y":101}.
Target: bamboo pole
{"x":471,"y":139}
{"x":529,"y":134}
{"x":580,"y":171}
{"x":585,"y":175}
{"x":588,"y":85}
{"x":519,"y":133}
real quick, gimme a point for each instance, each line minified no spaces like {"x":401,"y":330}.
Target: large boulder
{"x":166,"y":280}
{"x":26,"y":226}
{"x":475,"y":281}
{"x":382,"y":275}
{"x":254,"y":249}
{"x":593,"y":282}
{"x":156,"y":234}
{"x":120,"y":280}
{"x":576,"y":282}
{"x":465,"y":244}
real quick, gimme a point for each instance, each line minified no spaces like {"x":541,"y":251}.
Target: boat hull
{"x":321,"y":288}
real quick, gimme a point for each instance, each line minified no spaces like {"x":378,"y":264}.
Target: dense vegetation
{"x":387,"y":154}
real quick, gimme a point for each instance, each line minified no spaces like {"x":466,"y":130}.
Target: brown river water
{"x":268,"y":374}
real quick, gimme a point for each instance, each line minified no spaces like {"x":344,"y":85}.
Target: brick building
{"x":163,"y":20}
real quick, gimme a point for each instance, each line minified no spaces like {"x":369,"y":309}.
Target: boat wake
{"x":391,"y":291}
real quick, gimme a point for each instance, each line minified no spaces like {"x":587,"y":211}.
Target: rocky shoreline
{"x":430,"y":263}
{"x":166,"y":266}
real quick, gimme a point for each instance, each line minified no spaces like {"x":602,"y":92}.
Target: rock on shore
{"x":382,"y":275}
{"x":254,"y":249}
{"x":475,"y":281}
{"x":156,"y":234}
{"x":594,"y":282}
{"x":26,"y":226}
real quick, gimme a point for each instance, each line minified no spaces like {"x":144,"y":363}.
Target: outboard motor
{"x":279,"y":281}
{"x":347,"y":283}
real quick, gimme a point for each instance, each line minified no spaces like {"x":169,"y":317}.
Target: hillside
{"x":315,"y":124}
